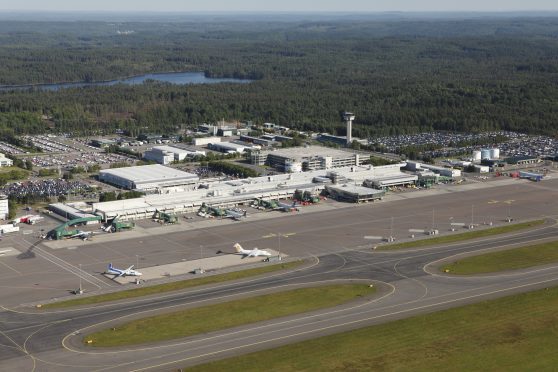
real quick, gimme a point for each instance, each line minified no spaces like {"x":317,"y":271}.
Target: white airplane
{"x":250,"y":253}
{"x":118,"y":272}
{"x":83,"y":235}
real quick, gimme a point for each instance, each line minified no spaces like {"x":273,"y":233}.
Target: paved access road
{"x":46,"y":341}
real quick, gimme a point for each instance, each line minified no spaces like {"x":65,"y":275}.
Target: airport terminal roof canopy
{"x":136,"y":177}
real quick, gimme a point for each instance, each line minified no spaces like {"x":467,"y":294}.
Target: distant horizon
{"x":356,"y":12}
{"x":283,"y":6}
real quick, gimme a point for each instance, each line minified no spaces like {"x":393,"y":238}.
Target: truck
{"x":5,"y":229}
{"x":166,"y":218}
{"x":265,"y":204}
{"x":306,"y":197}
{"x":207,"y":210}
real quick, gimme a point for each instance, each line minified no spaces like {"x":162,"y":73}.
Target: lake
{"x":178,"y":78}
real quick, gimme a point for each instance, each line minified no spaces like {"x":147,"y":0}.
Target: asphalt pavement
{"x":52,"y":340}
{"x":335,"y":251}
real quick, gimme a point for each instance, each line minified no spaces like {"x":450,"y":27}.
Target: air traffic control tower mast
{"x":348,"y":117}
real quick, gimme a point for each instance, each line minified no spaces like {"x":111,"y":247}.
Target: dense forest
{"x":397,"y":75}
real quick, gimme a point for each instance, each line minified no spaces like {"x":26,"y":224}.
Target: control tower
{"x":348,"y":117}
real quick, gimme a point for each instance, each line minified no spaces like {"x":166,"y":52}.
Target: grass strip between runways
{"x":509,"y":259}
{"x":515,"y":333}
{"x":173,"y":286}
{"x":463,"y":236}
{"x":229,"y":314}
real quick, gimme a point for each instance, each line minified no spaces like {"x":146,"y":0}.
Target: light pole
{"x":279,"y":248}
{"x":80,"y":290}
{"x":509,"y":203}
{"x":137,"y":261}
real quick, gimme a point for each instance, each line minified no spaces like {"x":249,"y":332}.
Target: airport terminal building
{"x":236,"y":192}
{"x":148,"y":178}
{"x":303,"y":159}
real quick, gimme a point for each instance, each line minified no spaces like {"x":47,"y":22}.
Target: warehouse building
{"x":167,"y":154}
{"x":102,"y":143}
{"x":148,"y":178}
{"x":263,"y":141}
{"x":204,"y":141}
{"x":229,"y":147}
{"x":5,"y":162}
{"x":446,"y":172}
{"x":523,"y":160}
{"x":302,"y":159}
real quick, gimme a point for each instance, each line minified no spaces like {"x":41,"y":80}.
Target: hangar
{"x":148,"y":178}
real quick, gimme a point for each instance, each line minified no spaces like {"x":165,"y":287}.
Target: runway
{"x":49,"y":342}
{"x":333,"y":246}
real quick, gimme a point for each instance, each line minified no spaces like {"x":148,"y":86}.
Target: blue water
{"x":179,"y":78}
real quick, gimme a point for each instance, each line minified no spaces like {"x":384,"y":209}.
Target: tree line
{"x":398,"y":77}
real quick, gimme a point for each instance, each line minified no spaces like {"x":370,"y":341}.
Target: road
{"x":408,"y":286}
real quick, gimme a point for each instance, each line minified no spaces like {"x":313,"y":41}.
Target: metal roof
{"x":150,"y":173}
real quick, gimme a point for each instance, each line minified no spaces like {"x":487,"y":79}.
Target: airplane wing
{"x":130,"y":268}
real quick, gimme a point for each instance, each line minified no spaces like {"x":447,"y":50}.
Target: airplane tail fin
{"x":110,"y":266}
{"x":238,"y":247}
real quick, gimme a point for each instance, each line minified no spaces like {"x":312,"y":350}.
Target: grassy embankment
{"x":229,"y":314}
{"x":463,"y":236}
{"x":509,"y":259}
{"x":173,"y":286}
{"x":516,"y":333}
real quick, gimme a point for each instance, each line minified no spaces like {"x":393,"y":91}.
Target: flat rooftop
{"x":172,"y":149}
{"x":299,"y":153}
{"x":150,"y":174}
{"x":353,"y":189}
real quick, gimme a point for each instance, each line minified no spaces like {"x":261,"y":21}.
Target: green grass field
{"x":509,"y":259}
{"x":463,"y":236}
{"x":516,"y":333}
{"x":173,"y":286}
{"x":229,"y":314}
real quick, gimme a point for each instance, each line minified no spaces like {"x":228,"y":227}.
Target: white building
{"x":446,"y":172}
{"x":149,"y":178}
{"x":168,"y":154}
{"x":229,"y":147}
{"x":4,"y":209}
{"x":5,"y":162}
{"x":298,"y":159}
{"x":203,"y":141}
{"x":230,"y":193}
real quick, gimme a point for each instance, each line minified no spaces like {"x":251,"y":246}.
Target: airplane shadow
{"x":29,"y":252}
